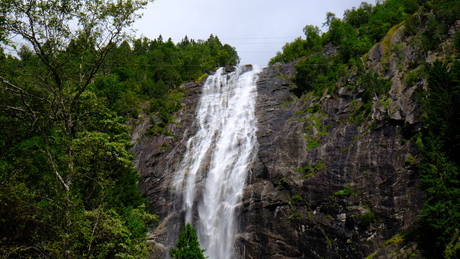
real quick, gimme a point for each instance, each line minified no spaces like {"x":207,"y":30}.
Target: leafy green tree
{"x":64,"y":97}
{"x":188,"y":246}
{"x":68,"y":188}
{"x":300,"y":47}
{"x":315,"y":74}
{"x":330,"y":16}
{"x":356,"y":17}
{"x":70,"y":41}
{"x":348,"y":40}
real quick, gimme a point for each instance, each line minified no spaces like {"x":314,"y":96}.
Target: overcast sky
{"x":257,"y":28}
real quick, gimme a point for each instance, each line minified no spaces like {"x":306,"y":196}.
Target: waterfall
{"x":215,"y":166}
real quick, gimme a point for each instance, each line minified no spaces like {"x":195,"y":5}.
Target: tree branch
{"x":58,"y":175}
{"x":17,"y":90}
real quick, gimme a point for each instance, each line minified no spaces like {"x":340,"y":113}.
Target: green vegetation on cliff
{"x":70,"y":77}
{"x":340,"y":56}
{"x":324,"y":57}
{"x":353,"y":35}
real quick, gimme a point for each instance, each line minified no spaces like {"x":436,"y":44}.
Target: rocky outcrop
{"x":326,"y":182}
{"x":324,"y":186}
{"x":398,"y":55}
{"x":157,"y":157}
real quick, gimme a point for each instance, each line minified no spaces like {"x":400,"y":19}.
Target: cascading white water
{"x":217,"y":158}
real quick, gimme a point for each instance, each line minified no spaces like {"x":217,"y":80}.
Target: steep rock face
{"x":157,"y":157}
{"x":324,"y":184}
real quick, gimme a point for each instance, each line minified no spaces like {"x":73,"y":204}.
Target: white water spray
{"x":217,"y":158}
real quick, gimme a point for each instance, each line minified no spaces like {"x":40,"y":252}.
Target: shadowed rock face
{"x":343,"y":196}
{"x":157,"y":158}
{"x":322,"y":184}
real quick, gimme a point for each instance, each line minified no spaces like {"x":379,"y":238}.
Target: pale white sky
{"x":257,"y":28}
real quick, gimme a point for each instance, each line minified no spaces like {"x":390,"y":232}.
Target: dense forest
{"x":68,"y":188}
{"x":323,"y":58}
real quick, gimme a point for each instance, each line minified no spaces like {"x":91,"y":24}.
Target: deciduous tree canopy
{"x":70,"y":77}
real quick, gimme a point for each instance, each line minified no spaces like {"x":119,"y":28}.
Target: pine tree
{"x":188,"y":246}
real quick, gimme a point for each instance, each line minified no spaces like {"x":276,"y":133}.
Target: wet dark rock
{"x":247,"y":68}
{"x":303,"y":216}
{"x":322,"y":185}
{"x":229,"y":69}
{"x":157,"y":157}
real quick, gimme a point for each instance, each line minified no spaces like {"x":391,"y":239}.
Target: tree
{"x":68,"y":187}
{"x":315,"y":73}
{"x":188,"y":246}
{"x":70,"y":40}
{"x":438,"y":223}
{"x":312,"y":32}
{"x":329,"y":18}
{"x":67,"y":184}
{"x":357,"y":17}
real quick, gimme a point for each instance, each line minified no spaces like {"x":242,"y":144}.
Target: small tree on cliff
{"x":188,"y":246}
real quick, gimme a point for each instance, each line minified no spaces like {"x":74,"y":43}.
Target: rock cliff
{"x":325,"y":184}
{"x":157,"y":157}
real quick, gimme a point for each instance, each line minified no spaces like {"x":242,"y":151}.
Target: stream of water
{"x":215,"y":166}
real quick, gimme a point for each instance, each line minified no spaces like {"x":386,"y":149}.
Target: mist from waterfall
{"x":215,"y":166}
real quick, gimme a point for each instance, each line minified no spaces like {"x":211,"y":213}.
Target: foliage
{"x":187,"y":245}
{"x":314,"y":168}
{"x":315,"y":130}
{"x":343,"y":49}
{"x":300,"y":47}
{"x":367,"y":219}
{"x":315,"y":74}
{"x":146,"y":73}
{"x":373,"y":85}
{"x":68,"y":188}
{"x":431,"y":23}
{"x":353,"y":35}
{"x":442,"y":106}
{"x":439,"y":170}
{"x":323,"y":57}
{"x":349,"y":41}
{"x":67,"y":195}
{"x":453,"y":247}
{"x":344,"y":192}
{"x":295,"y":198}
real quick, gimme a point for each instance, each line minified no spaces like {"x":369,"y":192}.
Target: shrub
{"x":345,"y":192}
